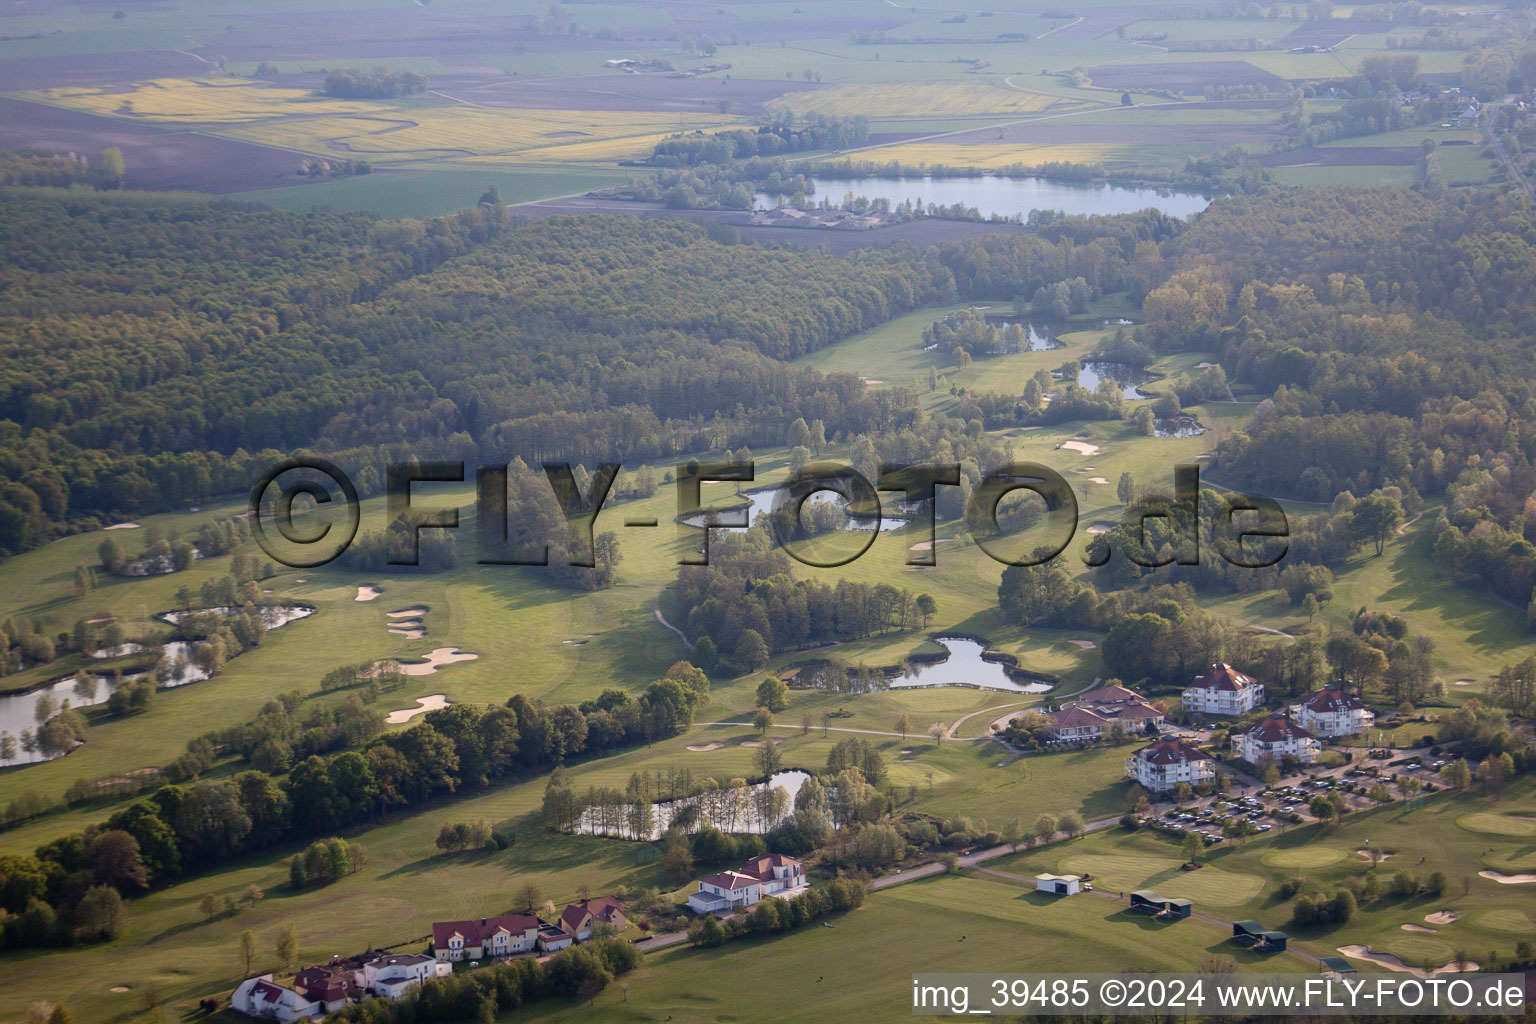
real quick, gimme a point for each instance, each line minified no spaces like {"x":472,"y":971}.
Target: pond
{"x":1179,"y":426}
{"x":1041,"y":332}
{"x":18,"y":711}
{"x":762,"y":501}
{"x":1127,"y":376}
{"x":964,"y":667}
{"x":748,"y":811}
{"x":1007,"y":197}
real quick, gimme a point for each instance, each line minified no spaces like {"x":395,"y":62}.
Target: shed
{"x":1060,"y":885}
{"x":1337,"y":965}
{"x":1145,"y":901}
{"x":1251,"y":933}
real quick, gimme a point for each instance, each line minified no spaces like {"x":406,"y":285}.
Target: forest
{"x":1388,"y":332}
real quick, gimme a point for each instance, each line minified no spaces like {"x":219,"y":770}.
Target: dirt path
{"x":996,"y":707}
{"x":663,"y":620}
{"x":1403,"y":528}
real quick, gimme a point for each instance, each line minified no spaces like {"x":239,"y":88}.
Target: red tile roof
{"x":731,"y":880}
{"x":762,"y":865}
{"x":1223,"y":677}
{"x":1106,"y":693}
{"x":1171,"y":751}
{"x":604,"y":908}
{"x":476,"y":932}
{"x":1331,"y":698}
{"x":573,"y":917}
{"x":1074,"y":717}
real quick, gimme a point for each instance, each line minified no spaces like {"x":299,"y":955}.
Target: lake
{"x":1008,"y":197}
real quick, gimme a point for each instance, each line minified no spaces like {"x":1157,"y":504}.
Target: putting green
{"x":1303,"y":857}
{"x":1497,"y":824}
{"x":1507,"y":919}
{"x":1126,"y":871}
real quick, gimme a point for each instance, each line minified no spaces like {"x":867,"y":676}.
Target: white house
{"x":1058,"y":885}
{"x":391,"y":974}
{"x":1087,"y":716}
{"x":553,"y":938}
{"x":487,"y":937}
{"x":1168,"y":762}
{"x":1223,"y":691}
{"x":1332,"y":712}
{"x":771,"y":874}
{"x":262,"y":997}
{"x":1275,"y":737}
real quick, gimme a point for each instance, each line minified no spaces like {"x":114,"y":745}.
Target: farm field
{"x":922,"y":99}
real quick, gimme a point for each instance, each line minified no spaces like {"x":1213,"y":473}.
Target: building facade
{"x":488,"y":937}
{"x":1089,"y":715}
{"x":1274,"y":738}
{"x":262,"y":997}
{"x":1168,"y":762}
{"x":1223,"y":691}
{"x":1333,"y":712}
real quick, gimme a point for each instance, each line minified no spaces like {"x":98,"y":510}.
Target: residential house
{"x":1087,"y":716}
{"x":332,"y":985}
{"x":262,"y":997}
{"x":391,"y":974}
{"x":1168,"y":762}
{"x":1223,"y":691}
{"x":581,"y":918}
{"x":485,"y":938}
{"x":771,"y":874}
{"x":1332,"y":712}
{"x":1276,"y":737}
{"x":777,"y":872}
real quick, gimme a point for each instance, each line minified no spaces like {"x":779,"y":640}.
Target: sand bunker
{"x":1463,"y":682}
{"x":431,"y":702}
{"x":871,"y":380}
{"x":410,"y":630}
{"x":1100,"y":527}
{"x":119,"y":989}
{"x":1375,"y":858}
{"x":1392,"y":963}
{"x":435,"y":660}
{"x":123,"y":526}
{"x":1442,"y":917}
{"x":1502,"y":878}
{"x":367,"y":592}
{"x":1086,"y":645}
{"x":415,"y":611}
{"x":1097,"y":480}
{"x":758,"y":743}
{"x":1080,"y":446}
{"x":704,"y":748}
{"x":927,"y":545}
{"x":1419,"y":928}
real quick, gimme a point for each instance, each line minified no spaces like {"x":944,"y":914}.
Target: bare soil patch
{"x":155,"y":159}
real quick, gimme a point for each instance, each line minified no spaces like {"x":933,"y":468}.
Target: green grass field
{"x":1457,"y":834}
{"x":940,"y":925}
{"x":431,"y":191}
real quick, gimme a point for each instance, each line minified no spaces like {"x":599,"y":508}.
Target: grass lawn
{"x":431,"y":192}
{"x":1456,"y":834}
{"x":944,"y":924}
